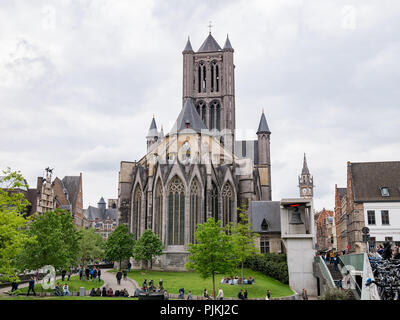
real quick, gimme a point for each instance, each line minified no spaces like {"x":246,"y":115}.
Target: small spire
{"x":188,"y":47}
{"x":227,"y":45}
{"x":305,"y":170}
{"x":153,"y":129}
{"x":263,"y":126}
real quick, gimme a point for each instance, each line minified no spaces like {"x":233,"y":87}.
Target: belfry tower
{"x":306,"y":181}
{"x":208,"y":78}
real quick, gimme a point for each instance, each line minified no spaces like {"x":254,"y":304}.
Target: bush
{"x":336,"y":294}
{"x":271,"y":264}
{"x":15,"y":292}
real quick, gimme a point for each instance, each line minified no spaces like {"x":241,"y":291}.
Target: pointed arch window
{"x":202,"y":110}
{"x":214,"y":202}
{"x":217,"y":77}
{"x":227,"y":203}
{"x":176,"y":212}
{"x":212,"y":116}
{"x":194,"y":208}
{"x":158,"y":219}
{"x":215,"y":115}
{"x":212,"y":76}
{"x":137,"y":206}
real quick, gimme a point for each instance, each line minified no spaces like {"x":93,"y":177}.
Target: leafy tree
{"x":91,"y":245}
{"x":13,"y":225}
{"x":243,"y":238}
{"x":57,"y":241}
{"x":213,"y":253}
{"x":147,"y":247}
{"x":119,"y":244}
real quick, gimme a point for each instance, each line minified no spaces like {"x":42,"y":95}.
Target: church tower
{"x":208,"y":78}
{"x":306,"y":181}
{"x":264,"y":158}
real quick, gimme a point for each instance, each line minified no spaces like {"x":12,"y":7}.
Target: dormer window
{"x":385,"y":192}
{"x":264,"y":225}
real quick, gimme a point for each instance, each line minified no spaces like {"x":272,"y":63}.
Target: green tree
{"x":57,"y":241}
{"x":119,"y":244}
{"x":213,"y":253}
{"x":91,"y":245}
{"x":243,"y":238}
{"x":147,"y":247}
{"x":13,"y":225}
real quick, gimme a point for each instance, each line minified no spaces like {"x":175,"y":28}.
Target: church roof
{"x":91,"y":213}
{"x":153,"y":132}
{"x":189,"y":116}
{"x":268,"y":210}
{"x":209,"y":45}
{"x":71,"y":183}
{"x":227,"y":45}
{"x":263,"y":126}
{"x":188,"y":47}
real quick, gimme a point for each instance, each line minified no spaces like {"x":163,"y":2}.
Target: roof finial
{"x":262,"y":110}
{"x":153,"y":116}
{"x":210,"y":26}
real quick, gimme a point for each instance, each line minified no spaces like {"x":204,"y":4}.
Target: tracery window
{"x":227,"y":203}
{"x":176,"y":212}
{"x":194,"y":208}
{"x":202,"y":110}
{"x":215,"y":115}
{"x":158,"y":219}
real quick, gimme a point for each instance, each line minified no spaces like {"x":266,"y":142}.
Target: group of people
{"x":62,"y":290}
{"x":237,"y":280}
{"x":121,"y":274}
{"x":104,"y":292}
{"x":387,"y":252}
{"x":92,"y":273}
{"x":151,"y":286}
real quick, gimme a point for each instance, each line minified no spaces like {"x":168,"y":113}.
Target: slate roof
{"x":209,"y":45}
{"x":91,"y":213}
{"x":189,"y":115}
{"x":188,"y":47}
{"x":268,"y":210}
{"x":153,"y":132}
{"x":369,"y":177}
{"x":342,"y":192}
{"x":71,"y":183}
{"x":263,"y":126}
{"x":227,"y":45}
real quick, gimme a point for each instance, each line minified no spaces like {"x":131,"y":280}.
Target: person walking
{"x":129,"y":266}
{"x":268,"y":294}
{"x":119,"y":276}
{"x":94,"y":275}
{"x":91,"y":273}
{"x":220,"y":295}
{"x":87,"y":272}
{"x":80,"y":273}
{"x":63,"y":273}
{"x":304,"y":294}
{"x":125,"y":274}
{"x":68,"y":275}
{"x":31,"y":286}
{"x":99,"y":273}
{"x":335,"y":263}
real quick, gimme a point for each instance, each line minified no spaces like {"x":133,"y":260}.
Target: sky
{"x":80,"y":81}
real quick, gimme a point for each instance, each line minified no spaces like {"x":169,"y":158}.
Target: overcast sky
{"x":80,"y":81}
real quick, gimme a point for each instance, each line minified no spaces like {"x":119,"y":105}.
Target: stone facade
{"x":194,"y":172}
{"x":325,"y":230}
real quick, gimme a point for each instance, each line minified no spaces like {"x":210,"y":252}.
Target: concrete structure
{"x":197,"y":170}
{"x":297,"y":225}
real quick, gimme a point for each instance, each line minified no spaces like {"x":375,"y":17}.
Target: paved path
{"x":110,"y":280}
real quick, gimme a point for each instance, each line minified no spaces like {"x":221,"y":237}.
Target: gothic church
{"x":198,"y":170}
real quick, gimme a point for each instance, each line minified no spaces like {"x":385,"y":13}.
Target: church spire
{"x":263,"y":126}
{"x":305,"y":170}
{"x":188,"y":47}
{"x":227,"y":45}
{"x":153,"y":129}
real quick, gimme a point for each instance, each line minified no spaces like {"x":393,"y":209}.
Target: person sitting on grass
{"x":57,"y":289}
{"x":166,"y":296}
{"x":125,"y":293}
{"x":245,"y":293}
{"x":240,"y":294}
{"x":93,"y":292}
{"x":98,"y":292}
{"x":66,"y":290}
{"x":223,"y":280}
{"x":158,"y":288}
{"x":205,"y":294}
{"x":117,"y":293}
{"x":110,"y":292}
{"x":104,"y":292}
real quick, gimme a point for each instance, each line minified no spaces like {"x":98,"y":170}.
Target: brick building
{"x":325,"y":229}
{"x":102,"y":219}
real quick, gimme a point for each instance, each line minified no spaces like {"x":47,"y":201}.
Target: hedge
{"x":271,"y":264}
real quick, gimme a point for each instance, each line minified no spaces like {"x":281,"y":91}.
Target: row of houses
{"x":67,"y":194}
{"x":370,"y":198}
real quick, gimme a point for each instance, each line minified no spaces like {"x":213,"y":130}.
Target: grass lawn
{"x":172,"y":281}
{"x":74,"y":284}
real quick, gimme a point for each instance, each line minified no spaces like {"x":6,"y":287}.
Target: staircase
{"x":336,"y":275}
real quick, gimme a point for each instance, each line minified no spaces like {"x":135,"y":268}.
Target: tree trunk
{"x":120,"y":264}
{"x":213,"y":280}
{"x":242,"y":273}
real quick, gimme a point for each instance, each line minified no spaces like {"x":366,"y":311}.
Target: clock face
{"x":304,"y":190}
